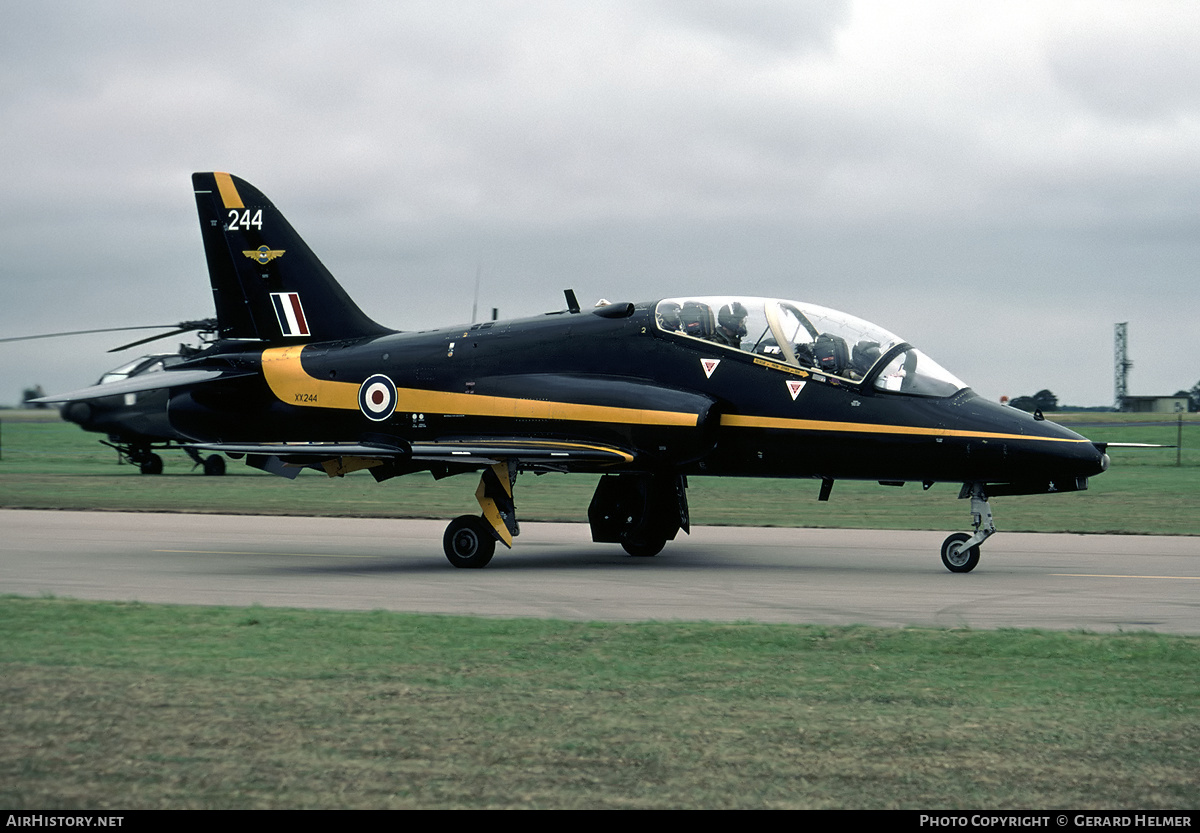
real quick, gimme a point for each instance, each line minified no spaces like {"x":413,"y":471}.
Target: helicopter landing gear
{"x":136,"y":455}
{"x":150,"y":464}
{"x":213,"y":465}
{"x":960,"y":551}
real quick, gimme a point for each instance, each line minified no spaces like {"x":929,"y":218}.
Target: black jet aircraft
{"x":136,"y":421}
{"x":644,"y":394}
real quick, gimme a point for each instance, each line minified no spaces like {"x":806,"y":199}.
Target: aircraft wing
{"x":484,"y":451}
{"x":148,"y":381}
{"x":494,"y":449}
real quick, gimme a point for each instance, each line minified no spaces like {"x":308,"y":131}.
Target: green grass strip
{"x":128,"y":706}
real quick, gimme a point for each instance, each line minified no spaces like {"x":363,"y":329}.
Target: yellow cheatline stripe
{"x":229,"y":192}
{"x":543,"y":444}
{"x":1102,"y":575}
{"x":741,"y":421}
{"x":291,"y":384}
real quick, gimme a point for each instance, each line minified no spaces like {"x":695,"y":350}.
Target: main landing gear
{"x":213,"y":464}
{"x":641,"y":511}
{"x":960,"y":551}
{"x":470,"y":540}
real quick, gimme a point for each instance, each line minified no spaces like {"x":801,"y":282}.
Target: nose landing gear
{"x":960,"y":551}
{"x":957,"y":557}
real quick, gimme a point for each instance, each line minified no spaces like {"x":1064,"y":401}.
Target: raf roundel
{"x":377,"y":397}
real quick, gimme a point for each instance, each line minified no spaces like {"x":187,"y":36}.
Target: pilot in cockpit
{"x":668,"y":317}
{"x":731,"y":325}
{"x":804,"y":354}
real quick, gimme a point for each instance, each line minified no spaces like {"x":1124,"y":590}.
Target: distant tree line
{"x":34,"y":392}
{"x":1043,"y":400}
{"x":1193,"y":397}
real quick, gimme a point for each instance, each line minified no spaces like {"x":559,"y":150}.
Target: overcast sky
{"x":997,"y":182}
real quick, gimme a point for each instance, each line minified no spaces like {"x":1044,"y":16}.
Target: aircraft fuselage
{"x":623,"y":382}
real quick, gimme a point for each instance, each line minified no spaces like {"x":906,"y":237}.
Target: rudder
{"x":267,"y":284}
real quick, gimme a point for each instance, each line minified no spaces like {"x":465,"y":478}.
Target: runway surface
{"x":887,"y":578}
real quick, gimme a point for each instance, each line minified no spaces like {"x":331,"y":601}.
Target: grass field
{"x":127,"y":706}
{"x":54,"y":465}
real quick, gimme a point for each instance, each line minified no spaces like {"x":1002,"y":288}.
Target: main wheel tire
{"x":644,"y":549}
{"x":151,"y":465}
{"x":468,"y":542}
{"x":214,"y":465}
{"x":957,"y":558}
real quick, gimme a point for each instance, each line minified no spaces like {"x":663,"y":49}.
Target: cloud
{"x":956,"y":171}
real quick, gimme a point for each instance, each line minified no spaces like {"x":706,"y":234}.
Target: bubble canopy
{"x":817,"y":339}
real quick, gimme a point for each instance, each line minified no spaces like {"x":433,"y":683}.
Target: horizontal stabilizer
{"x":148,"y":381}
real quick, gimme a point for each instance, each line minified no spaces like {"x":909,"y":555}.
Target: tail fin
{"x":267,"y":284}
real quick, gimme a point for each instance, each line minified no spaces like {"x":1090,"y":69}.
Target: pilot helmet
{"x":668,"y":317}
{"x":733,"y":318}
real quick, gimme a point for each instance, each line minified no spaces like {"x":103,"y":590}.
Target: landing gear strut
{"x":960,"y":551}
{"x":470,"y":540}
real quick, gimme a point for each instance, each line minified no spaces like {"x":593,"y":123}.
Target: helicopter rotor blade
{"x":201,"y":325}
{"x":86,"y":332}
{"x":148,"y":339}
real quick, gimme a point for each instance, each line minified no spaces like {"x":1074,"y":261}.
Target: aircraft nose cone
{"x":78,"y":412}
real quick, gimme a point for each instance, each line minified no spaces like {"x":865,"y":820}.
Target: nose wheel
{"x":960,"y":551}
{"x":958,"y":557}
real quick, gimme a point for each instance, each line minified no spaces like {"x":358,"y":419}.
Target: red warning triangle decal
{"x":709,"y":366}
{"x":794,"y":387}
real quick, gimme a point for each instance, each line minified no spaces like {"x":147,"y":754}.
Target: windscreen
{"x":818,"y":339}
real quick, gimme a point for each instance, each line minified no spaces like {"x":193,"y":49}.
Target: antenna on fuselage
{"x":572,"y":301}
{"x":475,"y":303}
